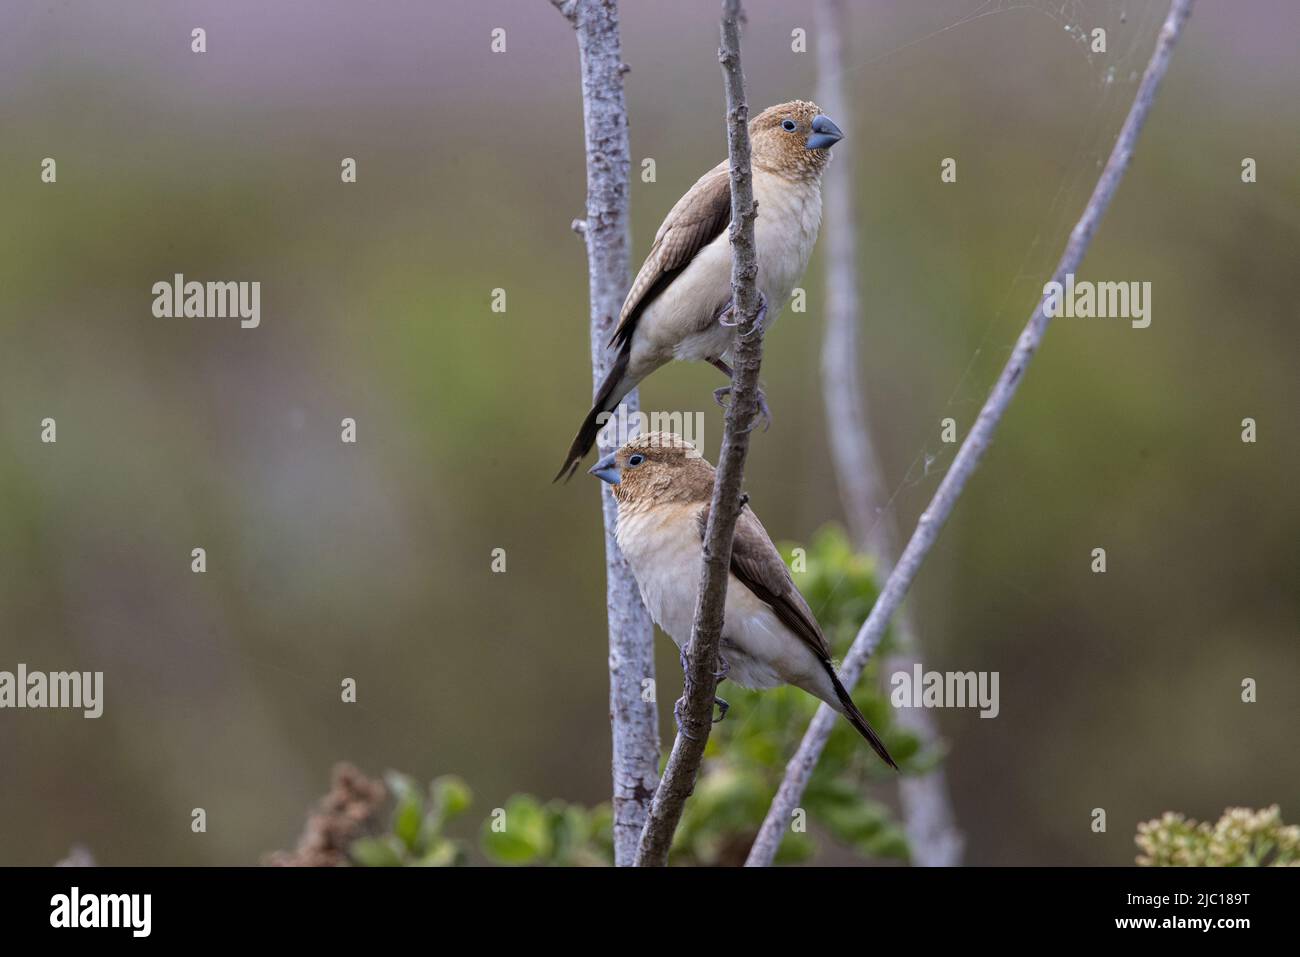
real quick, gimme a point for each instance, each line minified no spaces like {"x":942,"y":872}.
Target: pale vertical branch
{"x":695,"y":710}
{"x":927,"y":811}
{"x":973,"y":448}
{"x":857,"y":471}
{"x":634,"y":721}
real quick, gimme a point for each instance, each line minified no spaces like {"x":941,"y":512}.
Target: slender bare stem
{"x":695,"y":710}
{"x":634,"y":721}
{"x":973,"y":448}
{"x":928,"y":819}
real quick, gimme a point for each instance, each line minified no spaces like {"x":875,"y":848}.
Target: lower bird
{"x":680,"y":302}
{"x":769,"y":634}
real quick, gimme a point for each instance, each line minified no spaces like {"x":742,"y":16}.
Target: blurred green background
{"x":372,"y":561}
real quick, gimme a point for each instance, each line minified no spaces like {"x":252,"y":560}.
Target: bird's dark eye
{"x":635,"y":459}
{"x":788,"y":125}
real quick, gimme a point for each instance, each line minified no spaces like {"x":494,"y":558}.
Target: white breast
{"x":789,"y":218}
{"x":663,"y":547}
{"x":680,"y":323}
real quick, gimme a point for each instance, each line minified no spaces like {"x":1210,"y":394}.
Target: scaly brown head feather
{"x":656,"y":468}
{"x":780,"y":150}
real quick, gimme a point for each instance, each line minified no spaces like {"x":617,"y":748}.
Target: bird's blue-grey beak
{"x":824,"y":135}
{"x":606,"y":470}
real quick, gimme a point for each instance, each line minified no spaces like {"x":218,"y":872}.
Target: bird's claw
{"x":764,"y":413}
{"x":723,"y":708}
{"x":677,"y":716}
{"x":723,"y":668}
{"x":727,"y":315}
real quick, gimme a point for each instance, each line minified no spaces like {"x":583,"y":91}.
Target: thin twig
{"x":928,"y":819}
{"x":972,"y":449}
{"x":635,"y":722}
{"x":696,"y":708}
{"x":568,"y":9}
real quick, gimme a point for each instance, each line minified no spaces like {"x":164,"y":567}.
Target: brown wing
{"x":698,"y":218}
{"x":759,"y":567}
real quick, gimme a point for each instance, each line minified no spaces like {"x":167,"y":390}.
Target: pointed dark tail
{"x":857,"y":720}
{"x":607,"y":399}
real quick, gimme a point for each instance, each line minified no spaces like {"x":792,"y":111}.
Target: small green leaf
{"x":443,"y":853}
{"x":406,"y":822}
{"x":794,"y":848}
{"x":374,"y":852}
{"x":525,"y":837}
{"x":451,"y":795}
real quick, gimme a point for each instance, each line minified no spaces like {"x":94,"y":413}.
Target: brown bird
{"x":678,"y":305}
{"x":769,"y":634}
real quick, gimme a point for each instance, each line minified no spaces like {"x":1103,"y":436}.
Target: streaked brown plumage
{"x":683,"y":288}
{"x":769,"y":634}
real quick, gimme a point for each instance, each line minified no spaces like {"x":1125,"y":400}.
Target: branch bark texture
{"x":606,"y":230}
{"x":973,"y":448}
{"x":695,"y":710}
{"x":927,"y":812}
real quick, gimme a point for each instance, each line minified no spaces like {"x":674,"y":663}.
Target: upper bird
{"x":769,"y":634}
{"x":679,"y":299}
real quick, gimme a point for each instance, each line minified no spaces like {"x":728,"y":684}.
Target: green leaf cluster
{"x":416,"y":835}
{"x":527,"y":831}
{"x":743,"y":766}
{"x":747,"y":752}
